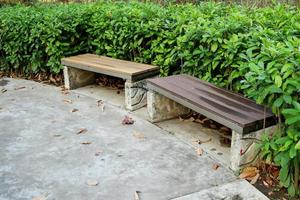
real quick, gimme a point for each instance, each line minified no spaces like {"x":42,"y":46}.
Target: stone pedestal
{"x":135,"y":94}
{"x":162,"y":108}
{"x":244,"y":148}
{"x":75,"y":78}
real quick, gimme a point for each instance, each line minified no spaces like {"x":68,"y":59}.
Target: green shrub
{"x":253,"y":51}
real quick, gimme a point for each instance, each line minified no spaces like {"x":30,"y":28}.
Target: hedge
{"x":253,"y":51}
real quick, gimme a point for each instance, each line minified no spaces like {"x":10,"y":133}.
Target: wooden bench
{"x":80,"y":71}
{"x":171,"y":96}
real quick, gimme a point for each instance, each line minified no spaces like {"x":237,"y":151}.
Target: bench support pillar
{"x":244,"y":148}
{"x":162,"y":108}
{"x":75,"y":78}
{"x":135,"y":94}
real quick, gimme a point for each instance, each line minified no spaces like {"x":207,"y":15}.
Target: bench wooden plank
{"x":110,"y":66}
{"x":228,"y":108}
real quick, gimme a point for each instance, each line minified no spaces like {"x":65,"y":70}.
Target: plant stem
{"x":296,"y":177}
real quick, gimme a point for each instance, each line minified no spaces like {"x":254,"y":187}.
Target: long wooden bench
{"x":170,"y":96}
{"x":80,"y":71}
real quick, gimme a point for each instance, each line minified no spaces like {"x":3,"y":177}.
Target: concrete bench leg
{"x":75,"y":78}
{"x":135,"y":94}
{"x":244,"y":148}
{"x":162,"y":108}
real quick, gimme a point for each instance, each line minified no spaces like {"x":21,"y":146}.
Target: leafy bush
{"x":253,"y":51}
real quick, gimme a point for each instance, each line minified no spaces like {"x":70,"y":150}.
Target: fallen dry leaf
{"x":65,"y":91}
{"x":136,"y":195}
{"x":203,"y":141}
{"x":67,"y":101}
{"x":199,"y":151}
{"x":39,"y":198}
{"x":3,"y":90}
{"x":127,"y":120}
{"x":98,"y":153}
{"x":86,"y":142}
{"x":57,"y":135}
{"x":215,"y":166}
{"x":82,"y":130}
{"x":92,"y":183}
{"x":249,"y":172}
{"x":254,"y":179}
{"x":74,"y":110}
{"x":99,"y":103}
{"x":265,"y":183}
{"x":19,"y":88}
{"x":139,"y":135}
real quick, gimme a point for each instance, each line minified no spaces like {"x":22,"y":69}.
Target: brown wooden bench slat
{"x":110,"y":66}
{"x":228,"y":108}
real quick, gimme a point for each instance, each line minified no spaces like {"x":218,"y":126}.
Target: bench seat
{"x":171,"y":96}
{"x":110,"y":66}
{"x":81,"y":70}
{"x":228,"y":108}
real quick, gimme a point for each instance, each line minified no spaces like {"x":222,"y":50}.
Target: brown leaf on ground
{"x":86,"y":142}
{"x":203,"y":141}
{"x":249,"y":173}
{"x":19,"y":88}
{"x":39,"y":198}
{"x":56,"y":135}
{"x":99,"y":103}
{"x":215,"y":166}
{"x":136,"y":195}
{"x":74,"y":110}
{"x":67,"y":101}
{"x":92,"y":183}
{"x":127,"y":120}
{"x":254,"y":179}
{"x":98,"y":153}
{"x":265,"y":183}
{"x":139,"y":135}
{"x":199,"y":151}
{"x":82,"y":130}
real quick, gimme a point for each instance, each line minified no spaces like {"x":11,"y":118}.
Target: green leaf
{"x":292,"y":190}
{"x":292,"y":152}
{"x":278,"y":102}
{"x":287,"y":99}
{"x":283,"y":173}
{"x":278,"y":81}
{"x":297,"y":146}
{"x":292,"y":120}
{"x":214,"y":47}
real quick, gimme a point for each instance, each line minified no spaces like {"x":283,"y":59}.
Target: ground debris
{"x":249,"y":173}
{"x":3,"y":90}
{"x":215,"y":166}
{"x":199,"y":151}
{"x":19,"y":88}
{"x":65,"y":91}
{"x":74,"y":110}
{"x":203,"y":141}
{"x":92,"y":183}
{"x":127,"y":120}
{"x":139,"y":135}
{"x":67,"y":101}
{"x":98,"y":153}
{"x":86,"y":142}
{"x":81,"y":131}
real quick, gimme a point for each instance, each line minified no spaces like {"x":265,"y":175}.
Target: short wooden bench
{"x":175,"y":95}
{"x":80,"y":71}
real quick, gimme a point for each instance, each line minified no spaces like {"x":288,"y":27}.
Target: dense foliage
{"x":253,"y":51}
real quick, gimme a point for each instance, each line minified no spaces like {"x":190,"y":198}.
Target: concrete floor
{"x":42,"y":156}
